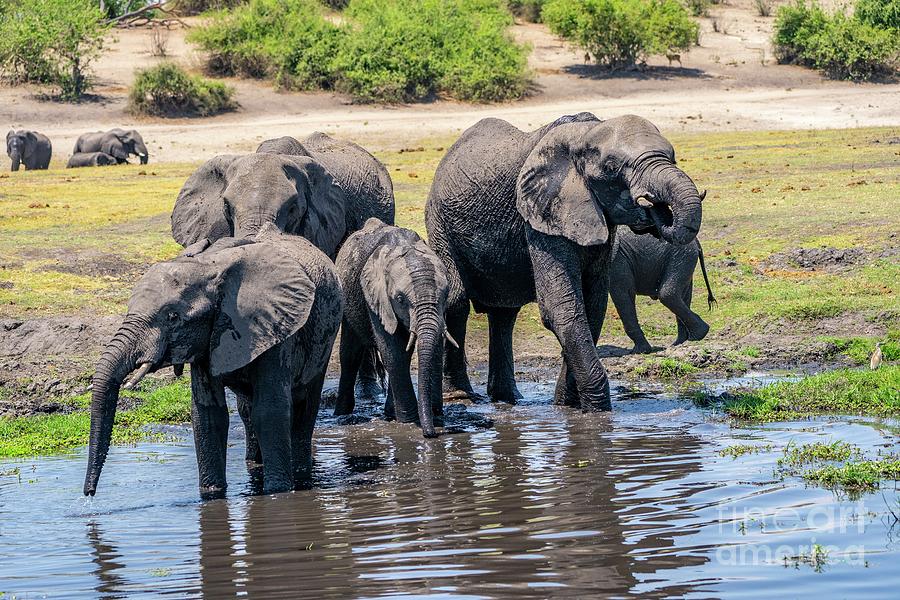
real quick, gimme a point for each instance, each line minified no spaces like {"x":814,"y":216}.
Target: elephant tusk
{"x":702,"y":195}
{"x":644,"y":202}
{"x":412,"y":341}
{"x":450,"y":339}
{"x":145,"y":368}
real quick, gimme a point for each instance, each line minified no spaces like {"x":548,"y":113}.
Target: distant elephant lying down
{"x":91,"y":159}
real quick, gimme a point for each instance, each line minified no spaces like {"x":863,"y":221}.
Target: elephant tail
{"x":710,"y":299}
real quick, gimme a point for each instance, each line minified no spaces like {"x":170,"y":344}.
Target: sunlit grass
{"x":55,"y":433}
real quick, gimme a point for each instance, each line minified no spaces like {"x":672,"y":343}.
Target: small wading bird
{"x":875,"y":361}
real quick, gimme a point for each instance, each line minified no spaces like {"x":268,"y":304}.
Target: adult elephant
{"x":520,"y":216}
{"x":28,"y":148}
{"x":259,"y":317}
{"x":118,"y":142}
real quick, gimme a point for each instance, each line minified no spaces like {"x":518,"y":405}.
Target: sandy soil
{"x":730,"y":82}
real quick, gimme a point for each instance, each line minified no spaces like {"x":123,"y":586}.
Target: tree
{"x":51,"y":41}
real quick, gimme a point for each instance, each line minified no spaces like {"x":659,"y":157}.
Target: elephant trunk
{"x":429,"y":330}
{"x":141,"y":151}
{"x":16,"y":157}
{"x":115,"y":364}
{"x":677,"y":204}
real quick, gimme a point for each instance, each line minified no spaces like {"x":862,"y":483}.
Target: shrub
{"x":841,"y":46}
{"x":288,"y":40}
{"x":53,"y":41}
{"x":884,"y":14}
{"x":622,"y":33}
{"x":167,"y":90}
{"x":384,"y":51}
{"x":698,"y":8}
{"x":195,"y":7}
{"x":406,"y":51}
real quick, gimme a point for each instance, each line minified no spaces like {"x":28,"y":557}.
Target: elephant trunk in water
{"x":676,"y":204}
{"x":427,"y":328}
{"x":116,"y":363}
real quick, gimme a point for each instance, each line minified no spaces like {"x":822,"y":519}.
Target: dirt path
{"x":730,"y":82}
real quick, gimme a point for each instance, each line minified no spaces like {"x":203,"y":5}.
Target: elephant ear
{"x":321,"y":202}
{"x":552,"y":195}
{"x":265,"y":296}
{"x":112,"y":145}
{"x":199,"y":210}
{"x":374,"y":284}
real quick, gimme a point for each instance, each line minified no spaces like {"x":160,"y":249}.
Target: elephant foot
{"x":642,"y":349}
{"x":597,"y":402}
{"x":699,"y":333}
{"x":212,"y":492}
{"x":471,"y":396}
{"x":507,"y":393}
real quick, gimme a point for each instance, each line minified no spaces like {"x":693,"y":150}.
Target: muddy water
{"x":548,"y":503}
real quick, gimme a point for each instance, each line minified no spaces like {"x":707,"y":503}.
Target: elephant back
{"x":363,"y":178}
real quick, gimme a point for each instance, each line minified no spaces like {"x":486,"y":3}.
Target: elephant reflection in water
{"x":106,"y":558}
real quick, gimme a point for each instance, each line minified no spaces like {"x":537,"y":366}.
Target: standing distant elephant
{"x":396,"y":293}
{"x":519,"y":216}
{"x":30,"y":148}
{"x":644,"y":265}
{"x":257,"y":317}
{"x":91,"y":159}
{"x":117,"y":142}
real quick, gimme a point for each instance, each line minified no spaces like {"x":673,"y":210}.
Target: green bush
{"x":52,"y":41}
{"x":384,"y":51}
{"x":884,"y":14}
{"x":195,"y":7}
{"x":622,"y":33}
{"x":167,"y":90}
{"x":841,"y":46}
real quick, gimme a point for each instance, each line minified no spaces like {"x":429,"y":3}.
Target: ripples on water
{"x":548,"y":503}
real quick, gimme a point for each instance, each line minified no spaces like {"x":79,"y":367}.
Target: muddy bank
{"x":43,"y":362}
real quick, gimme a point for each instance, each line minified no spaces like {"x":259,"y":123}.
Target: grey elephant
{"x":28,"y":148}
{"x":117,"y":142}
{"x":259,"y":317}
{"x":644,"y":265}
{"x":520,"y":216}
{"x":396,"y":293}
{"x":91,"y":159}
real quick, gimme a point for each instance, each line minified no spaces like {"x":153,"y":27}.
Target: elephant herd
{"x":96,"y":149}
{"x":285,"y":246}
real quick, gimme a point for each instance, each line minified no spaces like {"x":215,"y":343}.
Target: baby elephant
{"x":644,"y":265}
{"x":396,"y":292}
{"x":259,"y":317}
{"x":28,"y":148}
{"x":91,"y":159}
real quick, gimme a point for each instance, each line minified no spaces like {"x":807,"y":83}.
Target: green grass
{"x":856,"y":476}
{"x":859,"y":350}
{"x":795,"y":456}
{"x":844,"y":391}
{"x":666,"y":368}
{"x":738,"y":450}
{"x":50,"y":434}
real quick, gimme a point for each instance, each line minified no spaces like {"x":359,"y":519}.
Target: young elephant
{"x":644,"y":265}
{"x":91,"y":159}
{"x":396,"y":290}
{"x":30,"y":148}
{"x":259,"y":317}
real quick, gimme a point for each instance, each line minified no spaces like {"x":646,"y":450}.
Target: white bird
{"x":875,"y":361}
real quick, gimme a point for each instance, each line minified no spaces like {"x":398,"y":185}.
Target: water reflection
{"x":549,"y":502}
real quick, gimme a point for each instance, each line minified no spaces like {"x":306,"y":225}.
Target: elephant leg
{"x":575,"y":315}
{"x":623,"y":297}
{"x":501,"y":385}
{"x":352,"y":354}
{"x":389,"y":414}
{"x":271,"y":419}
{"x":303,"y":417}
{"x":209,"y":419}
{"x":396,"y":362}
{"x":683,"y":332}
{"x":456,"y":379}
{"x":673,"y":299}
{"x":367,"y":383}
{"x":244,"y":403}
